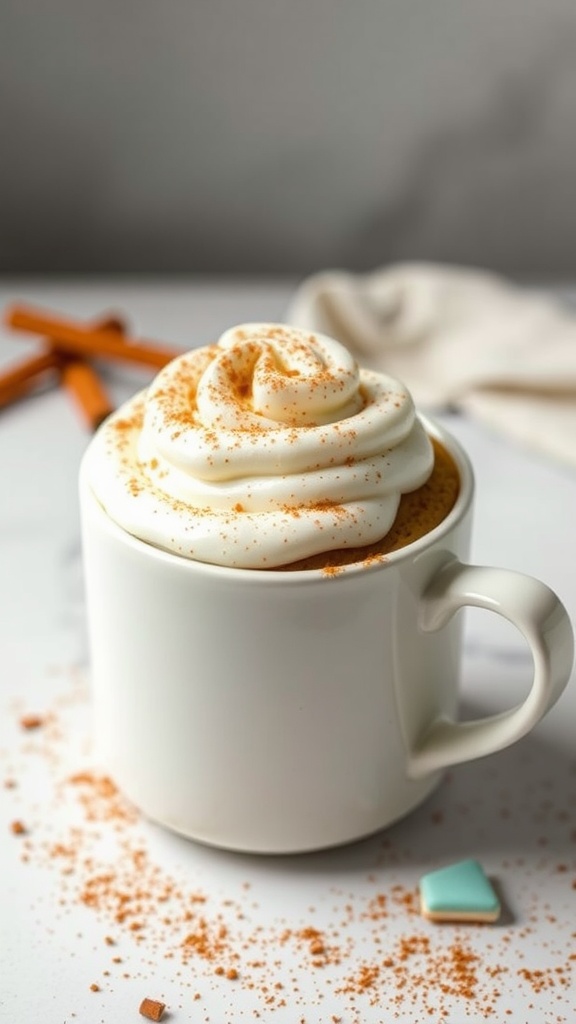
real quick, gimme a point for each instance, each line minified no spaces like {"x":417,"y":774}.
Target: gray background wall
{"x":286,"y":135}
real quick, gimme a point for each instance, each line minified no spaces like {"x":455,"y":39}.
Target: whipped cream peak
{"x":293,"y":377}
{"x":264,"y":448}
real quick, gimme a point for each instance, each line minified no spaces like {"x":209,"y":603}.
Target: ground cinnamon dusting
{"x":419,"y":512}
{"x":371,"y":954}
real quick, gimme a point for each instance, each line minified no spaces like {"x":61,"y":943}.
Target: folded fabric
{"x":458,"y":338}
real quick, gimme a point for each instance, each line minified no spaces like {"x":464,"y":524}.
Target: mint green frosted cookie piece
{"x":460,"y":892}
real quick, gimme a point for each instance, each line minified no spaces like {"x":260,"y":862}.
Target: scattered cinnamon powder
{"x":542,"y":979}
{"x":101,"y":799}
{"x":18,"y":828}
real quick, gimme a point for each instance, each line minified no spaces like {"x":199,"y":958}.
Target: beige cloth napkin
{"x":458,"y":338}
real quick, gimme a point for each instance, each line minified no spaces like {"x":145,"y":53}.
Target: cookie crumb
{"x":459,"y":892}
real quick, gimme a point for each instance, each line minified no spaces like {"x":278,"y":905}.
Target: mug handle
{"x":536,"y":611}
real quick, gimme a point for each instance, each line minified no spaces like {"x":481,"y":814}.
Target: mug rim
{"x":294,"y":576}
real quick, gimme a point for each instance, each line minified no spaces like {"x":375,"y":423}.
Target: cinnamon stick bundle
{"x":69,"y":350}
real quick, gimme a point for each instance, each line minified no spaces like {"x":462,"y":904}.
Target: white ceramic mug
{"x":277,"y":712}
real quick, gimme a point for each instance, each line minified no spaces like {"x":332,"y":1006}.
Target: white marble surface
{"x":67,"y":883}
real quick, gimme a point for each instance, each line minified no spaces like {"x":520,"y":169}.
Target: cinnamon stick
{"x":22,"y":378}
{"x":76,"y":339}
{"x":83,"y":383}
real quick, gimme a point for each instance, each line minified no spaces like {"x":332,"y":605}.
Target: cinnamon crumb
{"x":152,"y":1009}
{"x":332,"y":570}
{"x":31,"y":721}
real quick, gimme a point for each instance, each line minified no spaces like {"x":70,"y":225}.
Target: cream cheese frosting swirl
{"x":265,"y":448}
